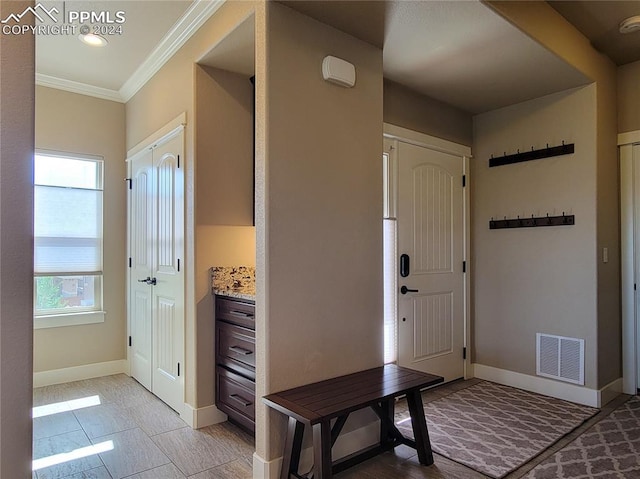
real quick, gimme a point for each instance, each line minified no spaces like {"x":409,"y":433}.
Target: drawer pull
{"x":239,"y":399}
{"x":239,"y":350}
{"x":241,"y":313}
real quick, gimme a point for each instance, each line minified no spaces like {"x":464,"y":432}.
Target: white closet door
{"x":156,"y":283}
{"x":141,"y":254}
{"x":168,"y":294}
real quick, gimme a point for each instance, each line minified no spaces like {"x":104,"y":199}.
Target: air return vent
{"x":560,"y":358}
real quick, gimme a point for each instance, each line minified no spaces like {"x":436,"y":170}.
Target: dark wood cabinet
{"x":236,"y":360}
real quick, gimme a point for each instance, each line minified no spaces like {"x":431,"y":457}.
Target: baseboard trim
{"x":347,"y":443}
{"x":549,"y":387}
{"x":200,"y":417}
{"x":263,"y":469}
{"x":78,"y":373}
{"x":610,"y":392}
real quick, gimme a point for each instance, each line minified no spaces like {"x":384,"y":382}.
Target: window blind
{"x":390,"y":292}
{"x":68,"y":230}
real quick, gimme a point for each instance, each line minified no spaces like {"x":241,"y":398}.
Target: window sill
{"x":70,"y":319}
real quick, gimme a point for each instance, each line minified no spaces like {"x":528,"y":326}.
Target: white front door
{"x":156,"y":309}
{"x":430,"y":274}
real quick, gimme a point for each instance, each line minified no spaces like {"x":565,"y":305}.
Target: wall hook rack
{"x":564,"y":220}
{"x":532,"y":155}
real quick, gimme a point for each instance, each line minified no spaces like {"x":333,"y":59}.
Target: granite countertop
{"x":234,"y":281}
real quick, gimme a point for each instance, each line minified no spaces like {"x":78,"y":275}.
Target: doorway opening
{"x":425,"y":253}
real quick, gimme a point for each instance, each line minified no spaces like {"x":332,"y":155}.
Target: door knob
{"x":146,"y":280}
{"x":405,"y":290}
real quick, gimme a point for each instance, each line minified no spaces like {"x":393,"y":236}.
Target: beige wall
{"x":319,"y":210}
{"x":169,"y":93}
{"x":224,"y":147}
{"x":629,"y":97}
{"x":409,"y":109}
{"x":69,"y":122}
{"x":535,"y":280}
{"x":16,"y":255}
{"x":551,"y":30}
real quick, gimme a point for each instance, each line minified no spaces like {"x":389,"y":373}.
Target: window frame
{"x":58,"y":317}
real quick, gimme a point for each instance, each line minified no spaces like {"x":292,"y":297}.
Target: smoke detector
{"x":631,"y":24}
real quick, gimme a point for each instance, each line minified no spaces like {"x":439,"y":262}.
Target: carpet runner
{"x":494,"y":429}
{"x":610,"y":449}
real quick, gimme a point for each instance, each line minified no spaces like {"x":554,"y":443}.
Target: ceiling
{"x":455,"y":59}
{"x":146,"y":22}
{"x":458,"y":52}
{"x":599,"y":21}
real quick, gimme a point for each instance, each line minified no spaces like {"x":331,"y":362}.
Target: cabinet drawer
{"x":236,"y":311}
{"x":235,"y":345}
{"x":236,"y":397}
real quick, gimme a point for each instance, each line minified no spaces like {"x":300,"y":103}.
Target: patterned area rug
{"x":610,"y":449}
{"x":494,"y":429}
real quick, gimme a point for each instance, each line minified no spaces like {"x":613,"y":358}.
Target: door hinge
{"x":130,"y":182}
{"x":464,"y":353}
{"x":178,"y":265}
{"x":464,"y":266}
{"x":634,"y":286}
{"x":178,"y":369}
{"x":178,"y":161}
{"x":130,"y":262}
{"x":464,"y":180}
{"x":129,"y":341}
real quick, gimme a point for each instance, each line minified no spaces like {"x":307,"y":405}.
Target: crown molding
{"x":77,"y":87}
{"x":189,"y":23}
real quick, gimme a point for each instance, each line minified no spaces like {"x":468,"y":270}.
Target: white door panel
{"x":431,"y":233}
{"x":169,"y":289}
{"x":140,"y":293}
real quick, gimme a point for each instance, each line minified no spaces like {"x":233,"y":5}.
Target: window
{"x":389,"y":261}
{"x":68,"y":240}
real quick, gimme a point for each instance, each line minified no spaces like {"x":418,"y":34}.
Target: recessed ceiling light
{"x":93,"y":39}
{"x":631,"y":24}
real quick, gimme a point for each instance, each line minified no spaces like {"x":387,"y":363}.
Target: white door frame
{"x":630,"y":248}
{"x":445,"y":146}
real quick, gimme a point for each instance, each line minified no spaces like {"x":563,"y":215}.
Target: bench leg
{"x":292,"y":448}
{"x":322,"y":450}
{"x":387,"y":408}
{"x":420,"y":431}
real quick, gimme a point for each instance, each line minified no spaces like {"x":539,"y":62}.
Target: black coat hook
{"x":564,"y":220}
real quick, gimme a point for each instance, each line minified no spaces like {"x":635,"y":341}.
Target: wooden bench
{"x":316,"y":405}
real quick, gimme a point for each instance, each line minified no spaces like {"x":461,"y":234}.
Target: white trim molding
{"x":69,"y":319}
{"x":163,"y":134}
{"x":428,"y":141}
{"x":346,"y":444}
{"x":78,"y":373}
{"x":549,"y":387}
{"x":198,"y":13}
{"x":629,"y":137}
{"x":197,"y":418}
{"x":263,"y":469}
{"x":77,"y":87}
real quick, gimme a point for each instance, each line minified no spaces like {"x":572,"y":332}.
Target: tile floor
{"x":117,"y":429}
{"x":113,"y":428}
